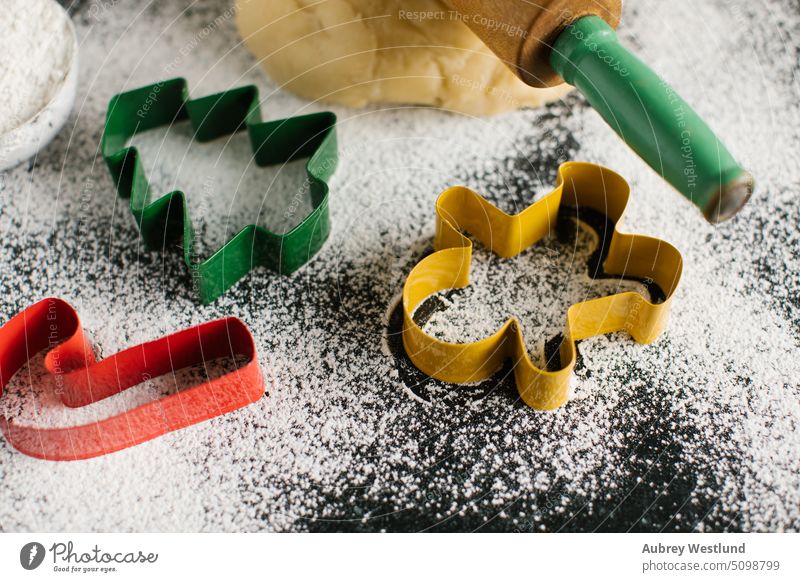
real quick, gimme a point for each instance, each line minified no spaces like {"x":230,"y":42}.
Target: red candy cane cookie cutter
{"x":53,"y":324}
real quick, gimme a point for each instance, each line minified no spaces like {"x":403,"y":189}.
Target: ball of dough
{"x":356,"y":52}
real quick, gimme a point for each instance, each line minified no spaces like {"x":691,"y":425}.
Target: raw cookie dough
{"x":357,"y":52}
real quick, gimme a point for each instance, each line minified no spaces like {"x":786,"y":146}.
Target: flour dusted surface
{"x":696,"y":431}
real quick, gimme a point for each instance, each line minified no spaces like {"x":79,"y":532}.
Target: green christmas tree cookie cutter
{"x":273,"y":142}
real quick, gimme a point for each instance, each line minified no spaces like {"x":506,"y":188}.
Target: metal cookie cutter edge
{"x":311,"y":136}
{"x":579,"y":185}
{"x":52,"y":324}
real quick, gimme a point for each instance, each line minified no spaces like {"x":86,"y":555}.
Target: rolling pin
{"x":551,"y":41}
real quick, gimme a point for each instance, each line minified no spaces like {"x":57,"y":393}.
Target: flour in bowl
{"x":36,"y":50}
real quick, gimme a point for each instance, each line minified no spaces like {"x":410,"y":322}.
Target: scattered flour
{"x":697,"y":431}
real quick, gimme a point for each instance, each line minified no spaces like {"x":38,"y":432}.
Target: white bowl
{"x":24,"y":141}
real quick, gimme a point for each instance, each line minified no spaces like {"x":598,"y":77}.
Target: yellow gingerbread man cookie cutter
{"x":459,"y":209}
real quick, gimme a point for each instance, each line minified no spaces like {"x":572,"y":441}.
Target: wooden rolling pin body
{"x":522,"y":32}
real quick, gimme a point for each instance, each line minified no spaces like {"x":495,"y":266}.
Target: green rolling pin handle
{"x":651,"y":118}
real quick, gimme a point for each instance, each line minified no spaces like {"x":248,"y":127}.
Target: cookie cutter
{"x":81,"y":380}
{"x":310,"y":136}
{"x":583,"y":186}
